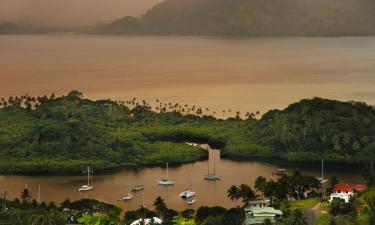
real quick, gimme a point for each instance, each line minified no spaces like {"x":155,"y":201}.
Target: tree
{"x":233,"y":193}
{"x":298,"y":218}
{"x":370,"y":203}
{"x":179,"y":220}
{"x":332,"y":182}
{"x":49,"y":217}
{"x":66,"y":204}
{"x":160,"y":206}
{"x":26,"y":195}
{"x":260,"y":184}
{"x":246,"y":193}
{"x":267,"y":222}
{"x":234,"y":216}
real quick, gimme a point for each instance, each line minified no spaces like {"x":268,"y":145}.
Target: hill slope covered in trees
{"x":251,"y":17}
{"x":63,"y":134}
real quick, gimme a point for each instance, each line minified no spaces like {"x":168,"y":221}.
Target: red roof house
{"x":342,"y":187}
{"x":359,"y":187}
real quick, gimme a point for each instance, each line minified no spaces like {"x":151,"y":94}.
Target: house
{"x":342,"y":191}
{"x":258,"y":211}
{"x":359,"y":187}
{"x":155,"y":220}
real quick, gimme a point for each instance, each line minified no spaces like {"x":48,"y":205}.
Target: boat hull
{"x":86,"y":188}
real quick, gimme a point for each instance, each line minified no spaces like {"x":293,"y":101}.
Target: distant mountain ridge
{"x":251,"y":17}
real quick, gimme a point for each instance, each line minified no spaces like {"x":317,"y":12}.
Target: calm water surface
{"x":111,"y":187}
{"x":219,"y":73}
{"x":246,"y":74}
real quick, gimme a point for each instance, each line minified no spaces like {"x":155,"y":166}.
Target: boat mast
{"x":214,"y":167}
{"x":39,"y":193}
{"x":190,"y":182}
{"x":88,"y":175}
{"x":167,"y":172}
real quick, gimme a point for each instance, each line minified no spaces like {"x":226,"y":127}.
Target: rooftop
{"x":344,"y":187}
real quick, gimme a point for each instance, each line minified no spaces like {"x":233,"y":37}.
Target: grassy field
{"x":305,"y":203}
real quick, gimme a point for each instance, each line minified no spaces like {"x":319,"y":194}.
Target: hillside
{"x":251,"y":17}
{"x":63,"y":134}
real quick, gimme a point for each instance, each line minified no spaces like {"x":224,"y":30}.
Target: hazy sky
{"x":70,"y":12}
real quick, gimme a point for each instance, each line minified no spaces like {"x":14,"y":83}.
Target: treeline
{"x":256,"y":17}
{"x":49,"y":134}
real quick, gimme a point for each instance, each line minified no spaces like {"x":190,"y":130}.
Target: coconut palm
{"x":260,"y":184}
{"x":48,"y":218}
{"x":26,"y":195}
{"x":246,"y":193}
{"x":160,"y":206}
{"x":233,"y":193}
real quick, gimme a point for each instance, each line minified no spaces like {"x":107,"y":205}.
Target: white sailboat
{"x":166,"y":181}
{"x":138,"y":187}
{"x":188,"y":192}
{"x":90,"y":184}
{"x":191,"y":202}
{"x":321,"y":179}
{"x":129,"y":195}
{"x":212,"y":176}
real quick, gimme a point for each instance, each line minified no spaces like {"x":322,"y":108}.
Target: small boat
{"x":166,"y":181}
{"x":321,"y":179}
{"x":137,"y":187}
{"x":187,"y":193}
{"x":191,"y":202}
{"x":280,"y":172}
{"x":129,"y":195}
{"x":212,"y":176}
{"x":90,"y":184}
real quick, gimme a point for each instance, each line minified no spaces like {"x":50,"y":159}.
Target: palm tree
{"x":47,"y":219}
{"x":260,"y":184}
{"x":160,"y":206}
{"x":247,"y":194}
{"x":233,"y":193}
{"x":298,"y":218}
{"x":370,"y":202}
{"x":26,"y":195}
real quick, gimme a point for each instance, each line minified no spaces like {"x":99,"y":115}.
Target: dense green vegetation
{"x":255,"y":17}
{"x":64,"y":134}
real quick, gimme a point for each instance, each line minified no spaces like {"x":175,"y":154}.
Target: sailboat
{"x":166,"y":181}
{"x":321,"y":179}
{"x":137,"y":187}
{"x":188,"y":192}
{"x":212,"y":176}
{"x":191,"y":202}
{"x":90,"y":184}
{"x":129,"y":195}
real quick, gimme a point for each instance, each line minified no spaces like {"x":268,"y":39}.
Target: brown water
{"x":111,"y":187}
{"x":220,"y":73}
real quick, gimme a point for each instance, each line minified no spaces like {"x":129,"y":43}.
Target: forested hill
{"x":251,"y":17}
{"x":50,"y":134}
